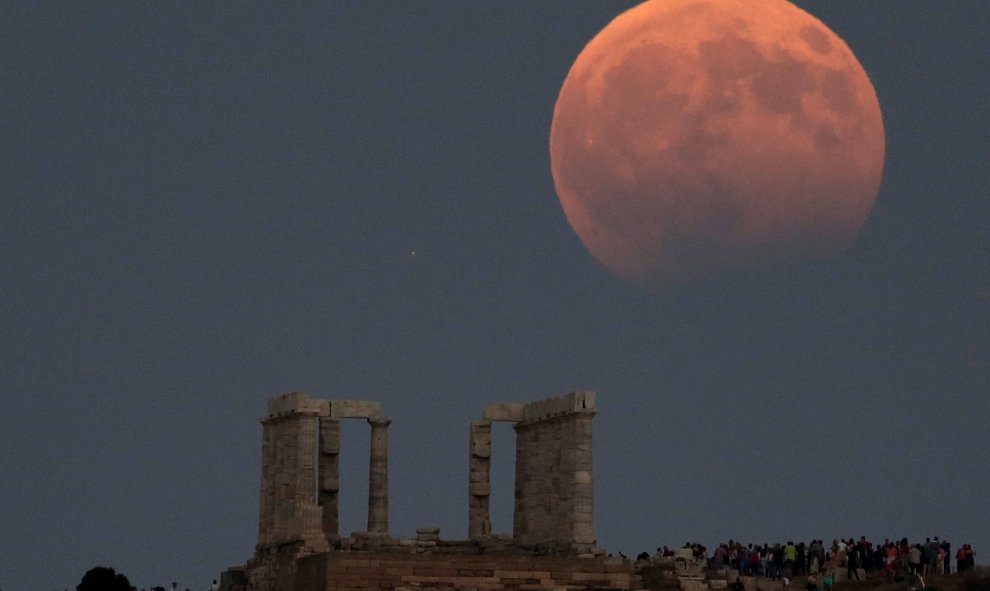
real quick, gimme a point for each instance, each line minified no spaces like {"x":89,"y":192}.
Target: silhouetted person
{"x":104,"y":578}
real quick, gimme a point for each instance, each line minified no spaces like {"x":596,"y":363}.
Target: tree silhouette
{"x":104,"y":578}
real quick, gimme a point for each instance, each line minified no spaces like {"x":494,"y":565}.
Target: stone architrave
{"x":378,"y":477}
{"x":353,"y":409}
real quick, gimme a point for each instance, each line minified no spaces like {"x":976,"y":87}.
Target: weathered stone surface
{"x":329,"y":472}
{"x":504,"y":411}
{"x":692,"y":583}
{"x":397,"y":571}
{"x":481,"y":489}
{"x":549,"y":408}
{"x":479,"y":479}
{"x":292,"y":402}
{"x":298,"y":513}
{"x":427,"y":536}
{"x":355,"y":409}
{"x":378,"y":477}
{"x":330,"y":432}
{"x":554,"y":492}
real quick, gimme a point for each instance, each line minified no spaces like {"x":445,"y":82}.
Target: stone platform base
{"x":353,"y":571}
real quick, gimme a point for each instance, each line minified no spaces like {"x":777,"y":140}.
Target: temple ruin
{"x":552,"y":543}
{"x":293,"y":508}
{"x":554,"y":497}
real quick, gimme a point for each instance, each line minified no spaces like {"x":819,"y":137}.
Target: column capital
{"x":380,"y":423}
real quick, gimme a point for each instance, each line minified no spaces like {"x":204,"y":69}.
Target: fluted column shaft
{"x":266,"y":510}
{"x":378,"y":477}
{"x":306,"y":512}
{"x":583,"y":497}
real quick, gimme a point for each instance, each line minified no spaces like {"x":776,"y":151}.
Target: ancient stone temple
{"x":552,"y":544}
{"x":554,"y":504}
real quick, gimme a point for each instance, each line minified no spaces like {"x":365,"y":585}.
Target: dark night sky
{"x":204,"y":205}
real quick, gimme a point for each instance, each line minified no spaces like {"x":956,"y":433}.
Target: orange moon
{"x":696,"y":136}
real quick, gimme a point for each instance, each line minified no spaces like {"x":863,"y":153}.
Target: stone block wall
{"x":335,"y":571}
{"x":554,"y":493}
{"x":554,"y":499}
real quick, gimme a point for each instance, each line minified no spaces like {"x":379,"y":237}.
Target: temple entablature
{"x":558,"y":406}
{"x":291,"y":403}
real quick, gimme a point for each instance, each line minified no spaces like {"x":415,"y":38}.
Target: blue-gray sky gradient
{"x":203,"y":205}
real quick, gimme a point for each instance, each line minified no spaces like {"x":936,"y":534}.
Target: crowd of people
{"x":857,"y":557}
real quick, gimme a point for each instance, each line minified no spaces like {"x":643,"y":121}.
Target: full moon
{"x":692,"y":137}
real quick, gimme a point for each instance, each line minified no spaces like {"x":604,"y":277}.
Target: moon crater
{"x":692,"y":137}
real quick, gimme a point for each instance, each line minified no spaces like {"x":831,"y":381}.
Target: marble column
{"x":479,"y":479}
{"x":266,"y":511}
{"x":378,"y":477}
{"x":519,"y":516}
{"x":582,"y":525}
{"x":329,"y":466}
{"x":306,"y":512}
{"x":283,"y":476}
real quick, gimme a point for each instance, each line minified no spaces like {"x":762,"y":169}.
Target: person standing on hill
{"x":721,"y":556}
{"x":755,"y":566}
{"x":852,"y":561}
{"x":904,"y":551}
{"x":778,"y":559}
{"x":890,"y":561}
{"x":931,"y":552}
{"x":801,"y":564}
{"x":790,"y":557}
{"x":964,"y":558}
{"x":914,"y":559}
